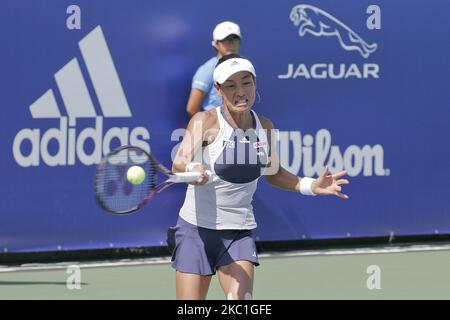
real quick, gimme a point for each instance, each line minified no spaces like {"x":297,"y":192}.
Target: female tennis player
{"x":214,"y":229}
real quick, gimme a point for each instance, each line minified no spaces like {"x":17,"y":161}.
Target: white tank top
{"x":236,"y":159}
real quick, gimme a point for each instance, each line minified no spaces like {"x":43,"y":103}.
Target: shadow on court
{"x":28,"y":283}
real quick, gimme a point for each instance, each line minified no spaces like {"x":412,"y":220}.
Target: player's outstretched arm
{"x":277,"y":176}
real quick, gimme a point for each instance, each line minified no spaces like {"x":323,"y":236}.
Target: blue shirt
{"x":203,"y":81}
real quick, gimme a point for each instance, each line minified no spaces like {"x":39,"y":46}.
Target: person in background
{"x":204,"y":96}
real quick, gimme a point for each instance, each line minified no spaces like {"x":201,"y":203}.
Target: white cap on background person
{"x":225,"y":29}
{"x":231,"y":66}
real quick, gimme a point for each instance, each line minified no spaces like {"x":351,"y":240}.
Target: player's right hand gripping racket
{"x":116,"y":194}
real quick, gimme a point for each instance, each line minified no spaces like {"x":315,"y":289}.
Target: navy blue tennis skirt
{"x":202,"y":251}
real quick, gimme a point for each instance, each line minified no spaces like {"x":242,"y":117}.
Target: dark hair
{"x":228,"y":57}
{"x":230,"y":37}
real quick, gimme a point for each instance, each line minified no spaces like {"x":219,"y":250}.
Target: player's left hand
{"x":327,"y":184}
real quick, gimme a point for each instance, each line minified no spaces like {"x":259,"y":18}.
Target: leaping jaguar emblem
{"x":319,"y":23}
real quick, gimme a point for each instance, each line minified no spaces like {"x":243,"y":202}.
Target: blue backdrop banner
{"x":355,"y":85}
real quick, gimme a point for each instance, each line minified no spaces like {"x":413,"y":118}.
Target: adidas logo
{"x":234,"y":63}
{"x":78,"y":104}
{"x":244,"y":140}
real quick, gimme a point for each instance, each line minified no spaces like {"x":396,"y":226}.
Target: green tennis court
{"x":415,"y":272}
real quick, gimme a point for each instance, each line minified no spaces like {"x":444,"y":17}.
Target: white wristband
{"x":190,"y":166}
{"x":306,"y":186}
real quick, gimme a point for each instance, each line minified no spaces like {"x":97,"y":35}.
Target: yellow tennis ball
{"x":136,"y":175}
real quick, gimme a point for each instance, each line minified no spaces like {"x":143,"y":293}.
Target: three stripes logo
{"x":78,"y":104}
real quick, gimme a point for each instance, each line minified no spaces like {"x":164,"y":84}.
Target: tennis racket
{"x":116,"y":194}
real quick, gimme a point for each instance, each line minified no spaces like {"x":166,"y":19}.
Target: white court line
{"x":360,"y":251}
{"x":85,"y":265}
{"x":167,"y":260}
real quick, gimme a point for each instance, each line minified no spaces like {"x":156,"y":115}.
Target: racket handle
{"x":186,"y":177}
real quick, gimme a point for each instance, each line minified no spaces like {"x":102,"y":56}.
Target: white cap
{"x":224,"y":29}
{"x":231,"y":66}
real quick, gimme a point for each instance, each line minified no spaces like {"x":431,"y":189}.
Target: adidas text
{"x":71,"y":144}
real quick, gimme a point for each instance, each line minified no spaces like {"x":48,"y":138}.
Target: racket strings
{"x":153,"y":177}
{"x":114,"y":191}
